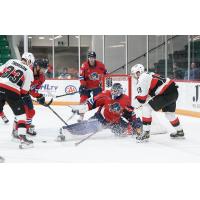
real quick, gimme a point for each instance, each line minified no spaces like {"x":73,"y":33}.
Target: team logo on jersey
{"x":115,"y":107}
{"x":70,"y":89}
{"x":94,"y":76}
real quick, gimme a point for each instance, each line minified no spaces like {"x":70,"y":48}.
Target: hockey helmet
{"x":40,"y":63}
{"x":116,"y":90}
{"x":91,"y":54}
{"x":137,"y":68}
{"x":29,"y":57}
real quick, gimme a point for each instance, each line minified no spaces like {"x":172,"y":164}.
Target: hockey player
{"x":163,"y":93}
{"x":90,"y":78}
{"x":15,"y":81}
{"x":39,"y":68}
{"x":115,"y":110}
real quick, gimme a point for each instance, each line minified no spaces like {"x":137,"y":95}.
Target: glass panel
{"x":136,"y":50}
{"x":177,"y":56}
{"x":91,"y":43}
{"x":86,"y":45}
{"x":66,"y":56}
{"x":41,"y":47}
{"x":194,"y":73}
{"x":157,"y":54}
{"x":115,"y":53}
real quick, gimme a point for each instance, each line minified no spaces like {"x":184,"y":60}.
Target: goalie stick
{"x":85,"y":138}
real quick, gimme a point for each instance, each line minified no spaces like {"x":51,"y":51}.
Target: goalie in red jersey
{"x":115,"y":110}
{"x":90,"y":78}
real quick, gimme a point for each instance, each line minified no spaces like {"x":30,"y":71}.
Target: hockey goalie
{"x":114,"y":112}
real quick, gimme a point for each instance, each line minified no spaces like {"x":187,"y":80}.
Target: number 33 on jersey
{"x":16,"y":76}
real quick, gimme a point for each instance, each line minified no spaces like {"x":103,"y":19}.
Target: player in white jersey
{"x":163,"y":95}
{"x":15,"y":80}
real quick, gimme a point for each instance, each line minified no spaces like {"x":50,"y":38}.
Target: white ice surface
{"x":102,"y":147}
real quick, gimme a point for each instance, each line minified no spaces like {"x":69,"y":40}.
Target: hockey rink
{"x":101,"y":147}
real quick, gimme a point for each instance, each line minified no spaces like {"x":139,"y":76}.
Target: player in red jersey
{"x":115,"y":110}
{"x":39,"y":68}
{"x":91,"y":73}
{"x":163,"y":95}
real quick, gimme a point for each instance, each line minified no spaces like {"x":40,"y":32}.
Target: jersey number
{"x":14,"y":78}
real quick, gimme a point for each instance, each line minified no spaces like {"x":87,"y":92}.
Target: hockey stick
{"x":62,"y":95}
{"x":85,"y":138}
{"x":57,"y":115}
{"x":45,"y":104}
{"x":48,"y":106}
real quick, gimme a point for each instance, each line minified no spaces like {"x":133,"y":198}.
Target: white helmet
{"x":29,"y":57}
{"x":137,"y":68}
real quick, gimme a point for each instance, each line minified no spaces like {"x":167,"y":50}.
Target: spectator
{"x":177,"y":72}
{"x":64,"y":74}
{"x":194,"y":72}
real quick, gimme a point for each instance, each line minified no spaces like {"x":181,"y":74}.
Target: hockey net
{"x":128,"y":84}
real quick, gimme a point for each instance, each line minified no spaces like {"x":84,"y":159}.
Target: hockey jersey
{"x":110,"y":109}
{"x":36,"y":85}
{"x":150,"y":84}
{"x":90,"y":76}
{"x":16,"y":76}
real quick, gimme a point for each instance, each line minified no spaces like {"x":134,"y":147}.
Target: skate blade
{"x":142,"y":141}
{"x":25,"y":146}
{"x":178,"y":138}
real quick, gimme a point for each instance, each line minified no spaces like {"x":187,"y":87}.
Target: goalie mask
{"x":137,"y":70}
{"x":116,"y":90}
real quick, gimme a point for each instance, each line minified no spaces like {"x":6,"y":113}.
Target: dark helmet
{"x":116,"y":90}
{"x":46,"y":61}
{"x":40,"y":63}
{"x":91,"y":54}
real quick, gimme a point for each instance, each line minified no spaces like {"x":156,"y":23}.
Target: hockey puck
{"x":44,"y":141}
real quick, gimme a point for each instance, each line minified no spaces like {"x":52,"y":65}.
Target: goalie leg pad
{"x":84,"y":127}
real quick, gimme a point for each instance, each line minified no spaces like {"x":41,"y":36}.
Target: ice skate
{"x":31,"y":130}
{"x":178,"y":134}
{"x":143,"y":137}
{"x":25,"y":142}
{"x":15,"y":137}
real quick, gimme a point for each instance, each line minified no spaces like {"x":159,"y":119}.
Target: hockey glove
{"x":41,"y":100}
{"x":82,"y":90}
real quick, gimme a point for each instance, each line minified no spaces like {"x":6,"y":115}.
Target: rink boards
{"x":188,"y":101}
